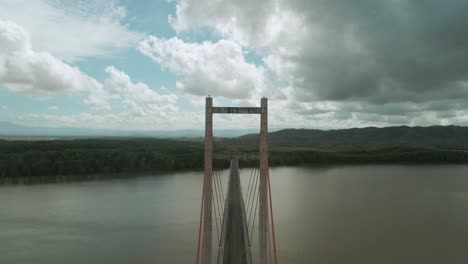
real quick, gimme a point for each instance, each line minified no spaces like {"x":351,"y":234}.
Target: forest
{"x":57,"y":160}
{"x":26,"y":160}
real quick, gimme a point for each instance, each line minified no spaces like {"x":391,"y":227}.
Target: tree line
{"x":77,"y":159}
{"x":29,"y":159}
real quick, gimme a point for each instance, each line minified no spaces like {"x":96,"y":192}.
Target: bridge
{"x":233,"y":213}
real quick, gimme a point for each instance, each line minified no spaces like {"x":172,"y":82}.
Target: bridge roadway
{"x":235,"y":246}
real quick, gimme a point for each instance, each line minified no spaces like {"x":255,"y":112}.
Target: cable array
{"x":251,"y":203}
{"x":218,"y":200}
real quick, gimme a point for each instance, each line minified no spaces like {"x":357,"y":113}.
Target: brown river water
{"x":374,"y":214}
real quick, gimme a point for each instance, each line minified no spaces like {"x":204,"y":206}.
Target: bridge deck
{"x":234,"y":246}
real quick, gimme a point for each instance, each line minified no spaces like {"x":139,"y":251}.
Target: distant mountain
{"x":442,"y":137}
{"x":15,"y":130}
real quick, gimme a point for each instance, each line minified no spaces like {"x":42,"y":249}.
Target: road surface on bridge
{"x":234,"y":246}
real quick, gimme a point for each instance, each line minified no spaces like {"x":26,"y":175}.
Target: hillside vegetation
{"x":440,"y":137}
{"x":54,"y":160}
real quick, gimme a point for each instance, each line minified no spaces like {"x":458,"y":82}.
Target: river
{"x":374,"y":214}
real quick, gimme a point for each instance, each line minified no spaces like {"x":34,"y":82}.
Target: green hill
{"x":439,"y":137}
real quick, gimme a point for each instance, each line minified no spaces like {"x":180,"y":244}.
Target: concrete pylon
{"x":207,"y":255}
{"x":263,"y":202}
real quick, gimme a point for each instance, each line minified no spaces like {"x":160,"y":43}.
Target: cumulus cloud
{"x":24,"y":70}
{"x":396,"y":61}
{"x":216,"y":68}
{"x":138,"y":98}
{"x":72,"y":30}
{"x":364,"y":50}
{"x":338,"y":63}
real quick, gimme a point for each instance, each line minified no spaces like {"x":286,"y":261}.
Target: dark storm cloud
{"x":366,"y":62}
{"x":383,"y":51}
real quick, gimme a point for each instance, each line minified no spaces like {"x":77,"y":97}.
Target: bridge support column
{"x":207,"y":201}
{"x":263,"y":204}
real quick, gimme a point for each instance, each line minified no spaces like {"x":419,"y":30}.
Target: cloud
{"x":326,"y":64}
{"x":120,"y":120}
{"x":216,"y":68}
{"x":139,"y":104}
{"x":230,"y":18}
{"x":72,"y":30}
{"x":391,"y":51}
{"x":24,"y":70}
{"x":137,"y":98}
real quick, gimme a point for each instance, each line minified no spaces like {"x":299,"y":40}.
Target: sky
{"x":149,"y":64}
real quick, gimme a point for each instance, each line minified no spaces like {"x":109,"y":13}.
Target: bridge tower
{"x":264,"y":175}
{"x":206,"y":216}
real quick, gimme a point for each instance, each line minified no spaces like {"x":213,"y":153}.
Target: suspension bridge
{"x":234,"y":215}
